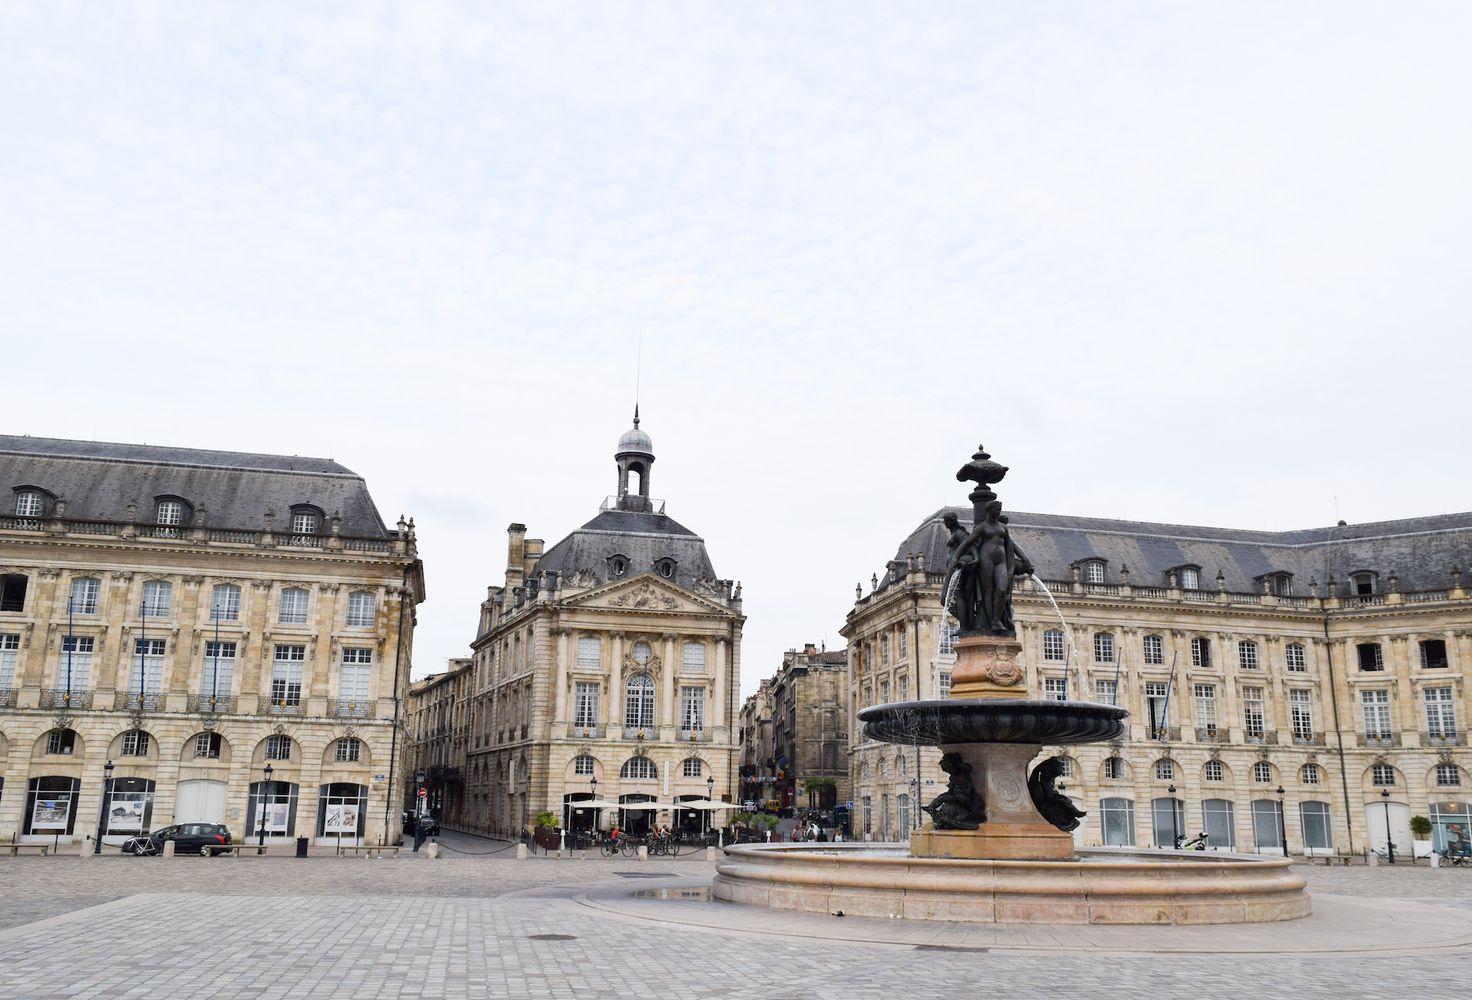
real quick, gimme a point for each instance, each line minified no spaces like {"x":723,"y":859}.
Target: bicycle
{"x":610,"y":847}
{"x":1456,"y":860}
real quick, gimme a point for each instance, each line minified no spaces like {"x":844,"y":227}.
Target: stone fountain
{"x":998,"y":847}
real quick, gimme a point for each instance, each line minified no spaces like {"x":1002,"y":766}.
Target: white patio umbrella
{"x":594,"y":804}
{"x":641,"y":806}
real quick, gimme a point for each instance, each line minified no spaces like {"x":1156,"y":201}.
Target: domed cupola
{"x":635,"y":458}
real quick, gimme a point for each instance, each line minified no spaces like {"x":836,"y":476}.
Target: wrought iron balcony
{"x":1446,"y":739}
{"x":132,"y":701}
{"x":211,"y":703}
{"x":284,"y":708}
{"x":7,"y":697}
{"x":1266,"y":737}
{"x":63,"y":699}
{"x":1379,"y":739}
{"x":695,"y":736}
{"x":1308,"y":739}
{"x":1210,"y":734}
{"x":1164,"y":734}
{"x":343,"y":708}
{"x":593,"y":732}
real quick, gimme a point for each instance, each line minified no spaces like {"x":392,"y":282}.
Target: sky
{"x":1191,"y":262}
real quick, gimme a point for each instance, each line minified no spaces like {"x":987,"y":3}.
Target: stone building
{"x":180,"y":620}
{"x":613,"y":655}
{"x":1308,"y":683}
{"x":802,"y":712}
{"x":438,"y":732}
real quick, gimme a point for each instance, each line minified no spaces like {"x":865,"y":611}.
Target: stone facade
{"x":438,"y":733}
{"x":798,"y":721}
{"x":1349,"y":695}
{"x":191,"y":617}
{"x":614,"y":655}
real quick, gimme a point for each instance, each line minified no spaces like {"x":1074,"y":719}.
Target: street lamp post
{"x":265,"y":791}
{"x":102,"y":809}
{"x":1175,"y":831}
{"x":710,"y":797}
{"x":593,"y":784}
{"x":1282,"y":821}
{"x":1389,"y":840}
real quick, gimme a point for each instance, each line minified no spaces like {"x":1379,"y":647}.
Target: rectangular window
{"x":286,"y":674}
{"x":943,"y":683}
{"x":356,"y":675}
{"x":1190,"y":579}
{"x":207,"y":746}
{"x":1200,"y":652}
{"x":135,"y":743}
{"x":1301,"y":710}
{"x":1369,"y":656}
{"x":1252,"y":711}
{"x":1247,"y":655}
{"x":1104,"y":647}
{"x":585,"y":704}
{"x":9,"y":653}
{"x":148,"y":654}
{"x":218,"y":672}
{"x":590,"y":653}
{"x":1375,"y":706}
{"x":1441,"y":713}
{"x":1155,"y":707}
{"x":1317,"y":833}
{"x":362,"y":609}
{"x":692,"y":658}
{"x":904,"y":685}
{"x":1154,"y":650}
{"x":1293,"y":652}
{"x":158,"y":598}
{"x":61,"y":741}
{"x":1206,"y":706}
{"x":1433,"y":654}
{"x":1106,"y":692}
{"x":904,"y":644}
{"x":1055,"y":688}
{"x":74,"y":667}
{"x":884,"y":692}
{"x":1093,"y":572}
{"x":884,"y":651}
{"x":85,"y":592}
{"x":692,"y":709}
{"x":225,"y":603}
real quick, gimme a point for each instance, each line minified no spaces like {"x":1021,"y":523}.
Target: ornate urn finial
{"x":982,"y":471}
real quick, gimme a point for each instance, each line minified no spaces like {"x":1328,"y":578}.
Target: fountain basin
{"x":993,"y":720}
{"x":1105,"y":885}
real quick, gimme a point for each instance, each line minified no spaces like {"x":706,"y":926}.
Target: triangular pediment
{"x":645,"y":592}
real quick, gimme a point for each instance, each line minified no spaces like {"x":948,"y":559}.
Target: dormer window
{"x":1363,"y":583}
{"x":169,"y":515}
{"x":665,"y":568}
{"x":1190,"y":577}
{"x":305,"y":520}
{"x":618,"y":566}
{"x":1093,"y":571}
{"x":29,"y":503}
{"x":1281,"y":584}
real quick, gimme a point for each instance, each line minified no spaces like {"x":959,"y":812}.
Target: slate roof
{"x":1421,"y":551}
{"x":99,"y":480}
{"x":641,"y":537}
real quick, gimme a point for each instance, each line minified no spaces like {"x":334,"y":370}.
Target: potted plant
{"x":545,"y":835}
{"x":1421,"y":832}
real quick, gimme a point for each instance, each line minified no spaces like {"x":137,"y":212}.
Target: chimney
{"x":515,"y":554}
{"x":533,"y":552}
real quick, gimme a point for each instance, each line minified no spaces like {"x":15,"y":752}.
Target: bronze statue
{"x":1055,"y":807}
{"x":983,"y":565}
{"x":959,"y":807}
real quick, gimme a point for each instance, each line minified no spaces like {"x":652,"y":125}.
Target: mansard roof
{"x":641,"y":538}
{"x":1421,"y":551}
{"x":99,"y":479}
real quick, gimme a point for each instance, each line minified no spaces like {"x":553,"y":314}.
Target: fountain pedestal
{"x":1014,"y":830}
{"x":987,"y":666}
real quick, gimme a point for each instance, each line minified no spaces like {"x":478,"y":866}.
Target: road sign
{"x":423,"y":792}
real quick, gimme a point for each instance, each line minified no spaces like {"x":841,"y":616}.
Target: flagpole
{"x":1116,"y":677}
{"x":1169,"y":687}
{"x":70,"y":642}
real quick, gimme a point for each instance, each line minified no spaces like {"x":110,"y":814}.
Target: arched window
{"x":639,"y":768}
{"x":362,"y":609}
{"x":305,"y":520}
{"x":1093,"y":571}
{"x":278,"y":747}
{"x":1114,"y":769}
{"x":1311,"y":774}
{"x":84,"y":595}
{"x":1214,"y":771}
{"x":225,"y":603}
{"x":1154,"y":648}
{"x":293,"y":606}
{"x":1262,"y":772}
{"x":1190,"y":578}
{"x":693,"y":767}
{"x":639,"y":702}
{"x":158,"y":598}
{"x":1165,"y":769}
{"x":583,"y":765}
{"x":665,"y":568}
{"x":29,"y":503}
{"x":1052,"y":644}
{"x":641,"y":653}
{"x":618,"y":565}
{"x":169,"y":515}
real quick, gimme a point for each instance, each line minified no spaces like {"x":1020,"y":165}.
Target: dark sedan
{"x":188,"y":838}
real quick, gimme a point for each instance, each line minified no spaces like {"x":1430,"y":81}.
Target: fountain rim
{"x":1107,"y":858}
{"x":1107,"y":720}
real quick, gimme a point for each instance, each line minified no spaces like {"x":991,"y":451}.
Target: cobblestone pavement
{"x":478,"y":926}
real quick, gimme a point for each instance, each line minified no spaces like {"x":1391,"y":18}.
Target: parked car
{"x":188,"y":838}
{"x":431,"y":825}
